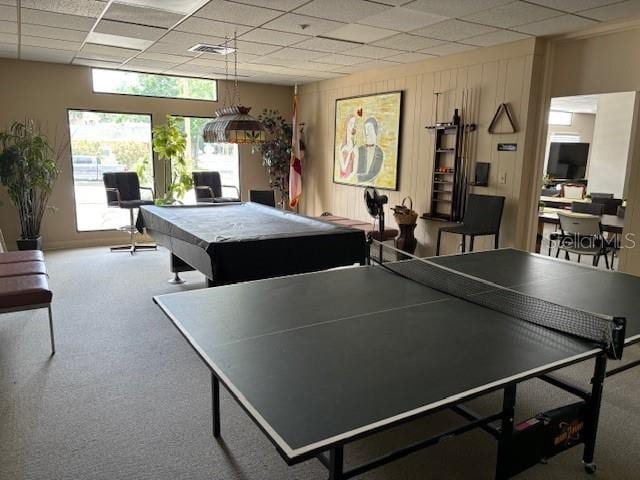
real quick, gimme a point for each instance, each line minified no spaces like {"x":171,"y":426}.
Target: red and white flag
{"x":295,"y":166}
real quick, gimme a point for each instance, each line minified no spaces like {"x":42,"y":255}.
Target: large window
{"x":106,"y":142}
{"x":152,"y":85}
{"x":219,"y":157}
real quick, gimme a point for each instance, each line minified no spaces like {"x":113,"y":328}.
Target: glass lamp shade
{"x":234,"y":125}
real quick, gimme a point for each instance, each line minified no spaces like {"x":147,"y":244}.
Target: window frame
{"x":214,"y":100}
{"x":153,"y":156}
{"x":238,"y":147}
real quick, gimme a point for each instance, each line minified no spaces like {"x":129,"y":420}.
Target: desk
{"x":234,"y":242}
{"x":320,"y":360}
{"x":562,"y":202}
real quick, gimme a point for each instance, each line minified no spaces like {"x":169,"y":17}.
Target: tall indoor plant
{"x":170,"y":144}
{"x":28,"y":169}
{"x":276,"y":152}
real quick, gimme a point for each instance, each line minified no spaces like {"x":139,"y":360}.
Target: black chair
{"x":264,"y":197}
{"x":550,"y":192}
{"x":482,"y":216}
{"x":208,"y":187}
{"x":586,"y":207}
{"x":123,"y":191}
{"x":610,"y":204}
{"x":601,"y":195}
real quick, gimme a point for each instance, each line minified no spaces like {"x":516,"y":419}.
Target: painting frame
{"x":388,"y":167}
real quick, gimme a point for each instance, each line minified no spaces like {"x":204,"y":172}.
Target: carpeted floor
{"x":126,"y":398}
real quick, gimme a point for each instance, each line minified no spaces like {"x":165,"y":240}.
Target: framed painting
{"x":366,"y":140}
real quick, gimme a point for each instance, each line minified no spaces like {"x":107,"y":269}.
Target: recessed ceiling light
{"x":214,"y":49}
{"x":118,"y":41}
{"x":179,"y":6}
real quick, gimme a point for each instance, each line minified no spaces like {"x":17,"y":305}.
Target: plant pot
{"x":29,"y":243}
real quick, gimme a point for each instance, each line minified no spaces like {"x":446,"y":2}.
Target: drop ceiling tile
{"x":556,"y":25}
{"x":371,"y":51}
{"x":282,"y":5}
{"x":343,"y":10}
{"x":118,"y":41}
{"x":209,"y":62}
{"x":8,"y":51}
{"x":11,"y":3}
{"x":83,"y":8}
{"x":454,"y":9}
{"x":112,"y":27}
{"x":294,"y":23}
{"x":8,"y":14}
{"x":231,"y":12}
{"x":273,"y":37}
{"x":40,"y":54}
{"x":112,"y":52}
{"x":145,"y":62}
{"x":274,"y":61}
{"x":325,"y":67}
{"x":326,"y":45}
{"x":410,"y":57}
{"x":341,"y":59}
{"x":51,"y":32}
{"x":448,"y":49}
{"x":378,"y":64}
{"x":186,"y":40}
{"x":164,"y":57}
{"x":176,"y":6}
{"x":8,"y":27}
{"x":360,"y":33}
{"x":407,"y":42}
{"x":297,"y":54}
{"x":495,"y":38}
{"x":171,"y":49}
{"x":193,"y":69}
{"x":452,"y":30}
{"x":402,"y":19}
{"x":87,"y":62}
{"x":142,"y":16}
{"x":9,"y":38}
{"x":612,"y":12}
{"x":204,"y":26}
{"x":573,"y":5}
{"x":50,"y":43}
{"x":512,"y":14}
{"x":256,"y":48}
{"x":59,"y":20}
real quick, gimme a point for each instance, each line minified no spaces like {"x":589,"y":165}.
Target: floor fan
{"x":375,"y":206}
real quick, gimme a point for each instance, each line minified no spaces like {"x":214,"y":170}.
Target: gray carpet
{"x":126,"y":398}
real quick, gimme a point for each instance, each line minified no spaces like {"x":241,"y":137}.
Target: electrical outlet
{"x":503,"y":178}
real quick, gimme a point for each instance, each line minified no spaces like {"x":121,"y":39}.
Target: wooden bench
{"x":24,"y":285}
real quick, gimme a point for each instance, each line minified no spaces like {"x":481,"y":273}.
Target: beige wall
{"x":44,"y":92}
{"x":494,"y":75}
{"x":595,"y":62}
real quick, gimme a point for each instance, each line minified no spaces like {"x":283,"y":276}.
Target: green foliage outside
{"x":192,"y":127}
{"x":165,"y":86}
{"x":170,"y":145}
{"x":134,"y":155}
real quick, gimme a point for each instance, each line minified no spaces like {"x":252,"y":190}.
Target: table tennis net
{"x":603,"y":329}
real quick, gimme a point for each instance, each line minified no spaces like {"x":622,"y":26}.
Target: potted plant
{"x":276,"y":152}
{"x":28,"y":169}
{"x":170,"y":144}
{"x":541,"y":206}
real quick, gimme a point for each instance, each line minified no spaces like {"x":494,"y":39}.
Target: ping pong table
{"x":319,"y":360}
{"x":234,"y":242}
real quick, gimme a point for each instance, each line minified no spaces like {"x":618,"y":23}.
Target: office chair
{"x":264,"y":197}
{"x":208,"y":187}
{"x":123,"y":191}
